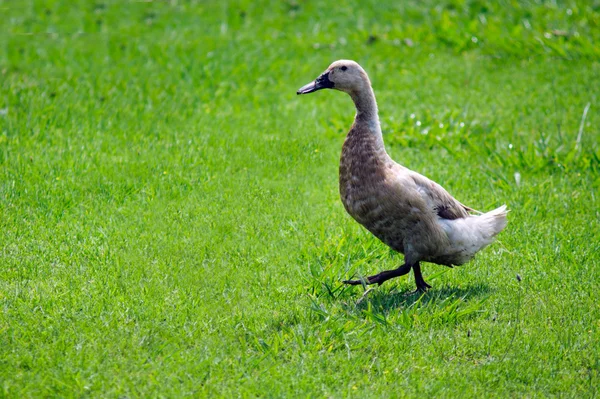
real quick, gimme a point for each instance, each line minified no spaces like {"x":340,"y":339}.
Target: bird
{"x":407,"y":211}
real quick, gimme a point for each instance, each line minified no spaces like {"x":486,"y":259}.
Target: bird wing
{"x":438,"y":199}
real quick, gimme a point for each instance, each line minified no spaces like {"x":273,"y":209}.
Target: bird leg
{"x":382,"y":277}
{"x":422,"y":286}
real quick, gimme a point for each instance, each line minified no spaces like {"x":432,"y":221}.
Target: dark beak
{"x":322,"y":82}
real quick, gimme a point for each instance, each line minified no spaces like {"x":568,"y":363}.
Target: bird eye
{"x":344,"y":68}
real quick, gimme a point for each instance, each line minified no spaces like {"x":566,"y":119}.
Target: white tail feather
{"x":470,"y":235}
{"x":493,"y":222}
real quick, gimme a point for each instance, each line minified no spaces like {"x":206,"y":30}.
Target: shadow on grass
{"x":391,"y":300}
{"x":435,"y":300}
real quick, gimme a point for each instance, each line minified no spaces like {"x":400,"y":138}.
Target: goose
{"x":407,"y":211}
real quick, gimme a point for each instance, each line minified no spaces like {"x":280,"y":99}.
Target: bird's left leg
{"x":383,"y":276}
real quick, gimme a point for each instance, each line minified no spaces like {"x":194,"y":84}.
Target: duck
{"x":410,"y":213}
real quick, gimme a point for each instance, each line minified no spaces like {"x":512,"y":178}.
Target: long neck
{"x":364,"y":159}
{"x":366,"y":105}
{"x":367,"y":118}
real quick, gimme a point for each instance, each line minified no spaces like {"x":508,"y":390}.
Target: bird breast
{"x":366,"y":196}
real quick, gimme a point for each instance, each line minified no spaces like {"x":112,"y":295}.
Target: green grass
{"x":170,"y":222}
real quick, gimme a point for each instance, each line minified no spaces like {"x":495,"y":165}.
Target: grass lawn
{"x":170,"y":222}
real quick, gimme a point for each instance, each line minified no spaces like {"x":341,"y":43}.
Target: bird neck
{"x":366,"y":104}
{"x":367,"y":117}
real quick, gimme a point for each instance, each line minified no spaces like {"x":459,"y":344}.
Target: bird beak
{"x":322,"y":82}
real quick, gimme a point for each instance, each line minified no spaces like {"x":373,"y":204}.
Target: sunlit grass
{"x":170,"y":222}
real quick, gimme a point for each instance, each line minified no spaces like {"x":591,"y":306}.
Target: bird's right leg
{"x":383,"y":276}
{"x":422,"y":286}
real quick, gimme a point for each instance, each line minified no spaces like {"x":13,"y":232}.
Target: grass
{"x":169,"y":217}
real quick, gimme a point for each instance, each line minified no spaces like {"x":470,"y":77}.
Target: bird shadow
{"x":386,"y":301}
